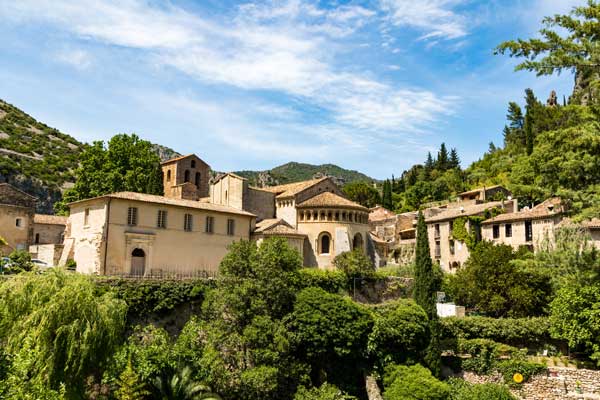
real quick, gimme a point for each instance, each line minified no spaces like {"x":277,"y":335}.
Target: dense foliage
{"x":363,"y":193}
{"x":413,"y":383}
{"x":57,"y":330}
{"x":125,"y":163}
{"x":490,"y":283}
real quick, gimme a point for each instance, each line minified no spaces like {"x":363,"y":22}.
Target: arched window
{"x":169,"y":176}
{"x":37,"y":238}
{"x":193,"y":164}
{"x":197,"y":180}
{"x":186,"y":175}
{"x":325,"y":243}
{"x":357,"y":242}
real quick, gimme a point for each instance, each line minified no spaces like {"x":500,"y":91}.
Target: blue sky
{"x":368,"y":85}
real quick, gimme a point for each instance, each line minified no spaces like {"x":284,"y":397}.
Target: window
{"x":325,"y":244}
{"x":197,"y":179}
{"x":230,"y":227}
{"x":451,"y":247}
{"x":193,"y":164}
{"x":210,"y":221}
{"x":186,"y":175}
{"x":437,"y":230}
{"x":528,"y":231}
{"x":187,"y":222}
{"x":161,"y":221}
{"x":508,"y":230}
{"x":86,"y":217}
{"x":438,"y":250}
{"x":496,"y":231}
{"x":132,"y":216}
{"x":37,"y":238}
{"x":169,"y":176}
{"x":18,"y":222}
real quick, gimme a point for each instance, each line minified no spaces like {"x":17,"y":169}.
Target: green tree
{"x":454,"y":162}
{"x":429,"y":162}
{"x":514,"y":134}
{"x":575,"y":317}
{"x":354,"y":263}
{"x":57,"y":328}
{"x":125,"y":163}
{"x":577,"y":50}
{"x":363,"y":193}
{"x":387,"y":195}
{"x":427,"y":278}
{"x":442,"y":162}
{"x":400,"y":332}
{"x":20,"y":261}
{"x":491,"y":283}
{"x":323,"y":392}
{"x":412,"y":383}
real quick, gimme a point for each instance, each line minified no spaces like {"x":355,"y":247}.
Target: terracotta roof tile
{"x":49,"y":219}
{"x":380,"y":213}
{"x":593,"y":223}
{"x":548,"y":208}
{"x":292,"y":189}
{"x":181,"y":158}
{"x":466,"y":211}
{"x":327,"y":199}
{"x":150,"y":198}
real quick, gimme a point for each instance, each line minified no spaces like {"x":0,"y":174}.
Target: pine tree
{"x":429,"y":163}
{"x":531,"y":110}
{"x":513,"y":134}
{"x":454,"y":159}
{"x":442,"y":159}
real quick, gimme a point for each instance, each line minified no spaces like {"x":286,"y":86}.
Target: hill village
{"x":187,"y":231}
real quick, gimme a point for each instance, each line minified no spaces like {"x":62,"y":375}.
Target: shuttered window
{"x":231,"y":227}
{"x":161,"y":221}
{"x":132,"y":216}
{"x":210,"y":221}
{"x":187,"y":222}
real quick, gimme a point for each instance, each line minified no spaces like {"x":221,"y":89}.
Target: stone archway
{"x":138,"y":262}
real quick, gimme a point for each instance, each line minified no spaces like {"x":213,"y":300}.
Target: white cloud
{"x":435,"y":18}
{"x":286,"y":47}
{"x":77,"y":58}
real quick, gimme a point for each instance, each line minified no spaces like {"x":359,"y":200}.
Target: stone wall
{"x":558,"y":384}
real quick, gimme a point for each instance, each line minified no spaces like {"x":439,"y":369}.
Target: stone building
{"x":139,"y":234}
{"x":489,"y":193}
{"x":186,"y":177}
{"x":527,"y":227}
{"x":233,"y":191}
{"x":17,"y":210}
{"x":48,"y":237}
{"x":593,"y":227}
{"x":447,"y":250}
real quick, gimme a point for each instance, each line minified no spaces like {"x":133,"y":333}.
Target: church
{"x":187,"y":231}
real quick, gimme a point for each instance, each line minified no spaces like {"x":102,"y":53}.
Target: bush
{"x":330,"y":281}
{"x":514,"y":331}
{"x":528,"y":369}
{"x":412,"y":383}
{"x":400,"y":332}
{"x":484,"y":354}
{"x":462,"y":390}
{"x":325,"y":392}
{"x":20,"y":261}
{"x":354,"y":263}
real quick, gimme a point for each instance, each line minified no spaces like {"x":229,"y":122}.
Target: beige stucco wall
{"x":448,"y":261}
{"x":286,"y":210}
{"x":48,"y":233}
{"x":541,"y":228}
{"x":313,"y":229}
{"x":17,"y":237}
{"x":49,"y":253}
{"x":88,"y":240}
{"x":228,"y":191}
{"x":170,"y":250}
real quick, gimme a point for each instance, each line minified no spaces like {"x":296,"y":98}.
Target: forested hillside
{"x":295,"y":172}
{"x":34,"y":157}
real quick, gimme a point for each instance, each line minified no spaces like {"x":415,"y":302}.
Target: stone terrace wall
{"x":558,"y":384}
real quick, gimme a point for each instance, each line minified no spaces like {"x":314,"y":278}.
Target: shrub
{"x":354,"y":263}
{"x":528,"y":369}
{"x":513,"y":331}
{"x":462,"y":390}
{"x":330,"y":281}
{"x":412,"y":383}
{"x":484,"y":354}
{"x":324,"y":392}
{"x":400,"y":332}
{"x":20,"y":261}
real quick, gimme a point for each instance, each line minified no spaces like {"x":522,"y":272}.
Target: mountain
{"x":36,"y":158}
{"x":295,"y":172}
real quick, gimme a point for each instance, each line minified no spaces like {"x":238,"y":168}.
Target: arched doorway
{"x":138,"y":262}
{"x":357,"y":242}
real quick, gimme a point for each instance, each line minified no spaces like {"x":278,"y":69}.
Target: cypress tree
{"x":429,"y":163}
{"x":427,"y":282}
{"x":387,"y":195}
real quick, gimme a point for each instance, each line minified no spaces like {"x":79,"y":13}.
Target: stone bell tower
{"x":185,"y":177}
